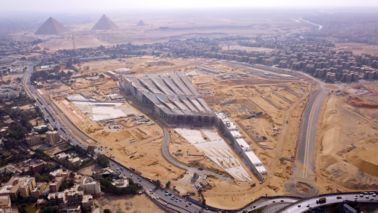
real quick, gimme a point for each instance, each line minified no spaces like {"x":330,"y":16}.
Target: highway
{"x":61,"y":123}
{"x":311,"y":203}
{"x":307,"y":135}
{"x":264,"y":202}
{"x":166,"y":198}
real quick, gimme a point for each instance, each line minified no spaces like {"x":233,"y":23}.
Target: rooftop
{"x":173,"y":93}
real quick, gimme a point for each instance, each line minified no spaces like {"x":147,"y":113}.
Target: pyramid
{"x":141,"y":23}
{"x":51,"y":27}
{"x":104,"y":24}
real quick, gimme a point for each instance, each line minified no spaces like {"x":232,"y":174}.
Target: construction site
{"x":171,"y":97}
{"x":348,"y":136}
{"x":174,"y":100}
{"x":232,"y":129}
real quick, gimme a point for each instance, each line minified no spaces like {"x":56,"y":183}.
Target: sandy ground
{"x":120,"y":204}
{"x":128,"y":145}
{"x":163,"y":27}
{"x":236,"y":195}
{"x":358,"y":48}
{"x":186,"y":153}
{"x":281,"y":104}
{"x":272,"y":135}
{"x":140,"y":65}
{"x":71,"y":41}
{"x":349,"y":140}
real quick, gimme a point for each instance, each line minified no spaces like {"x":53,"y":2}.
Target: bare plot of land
{"x":348,"y":137}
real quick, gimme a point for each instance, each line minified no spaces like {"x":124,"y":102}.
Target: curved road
{"x":304,"y":169}
{"x":305,"y":155}
{"x":191,"y":170}
{"x":166,"y":198}
{"x":311,"y":203}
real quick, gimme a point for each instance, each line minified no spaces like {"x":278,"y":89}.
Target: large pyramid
{"x":51,"y":27}
{"x":141,"y":23}
{"x":104,"y":24}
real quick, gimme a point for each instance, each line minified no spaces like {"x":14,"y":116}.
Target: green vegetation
{"x":16,"y":132}
{"x":20,"y":125}
{"x":257,"y":210}
{"x":12,"y":154}
{"x":49,"y":209}
{"x":4,"y":177}
{"x":157,"y":184}
{"x":27,"y":208}
{"x":50,"y":75}
{"x":102,"y":160}
{"x":131,"y":189}
{"x":168,"y":185}
{"x":42,"y":177}
{"x":67,"y":184}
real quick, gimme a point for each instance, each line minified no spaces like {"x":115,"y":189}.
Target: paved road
{"x":191,"y":170}
{"x":264,"y":202}
{"x":307,"y":137}
{"x":274,"y":207}
{"x":167,"y":198}
{"x":311,"y":203}
{"x":55,"y":117}
{"x":303,"y":178}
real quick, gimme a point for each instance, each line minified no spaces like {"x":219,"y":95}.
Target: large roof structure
{"x":51,"y":27}
{"x":104,"y":23}
{"x":171,"y":94}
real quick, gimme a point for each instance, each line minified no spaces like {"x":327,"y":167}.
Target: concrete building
{"x":10,"y":91}
{"x":59,"y":176}
{"x":120,"y":183}
{"x":27,"y":185}
{"x":52,"y":137}
{"x":71,"y":200}
{"x":34,"y":138}
{"x":5,"y":204}
{"x":55,"y":184}
{"x":90,"y":186}
{"x":231,"y":131}
{"x":18,"y":186}
{"x":170,"y":97}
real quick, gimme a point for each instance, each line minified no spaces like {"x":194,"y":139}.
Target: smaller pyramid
{"x":104,"y":24}
{"x":51,"y":27}
{"x":141,"y":23}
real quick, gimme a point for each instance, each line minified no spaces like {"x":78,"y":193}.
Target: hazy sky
{"x":98,"y":5}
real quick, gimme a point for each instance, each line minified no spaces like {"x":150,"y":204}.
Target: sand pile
{"x":358,"y":102}
{"x":350,"y":176}
{"x":365,"y":159}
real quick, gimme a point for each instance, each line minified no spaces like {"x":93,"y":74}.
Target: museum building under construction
{"x":170,"y":97}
